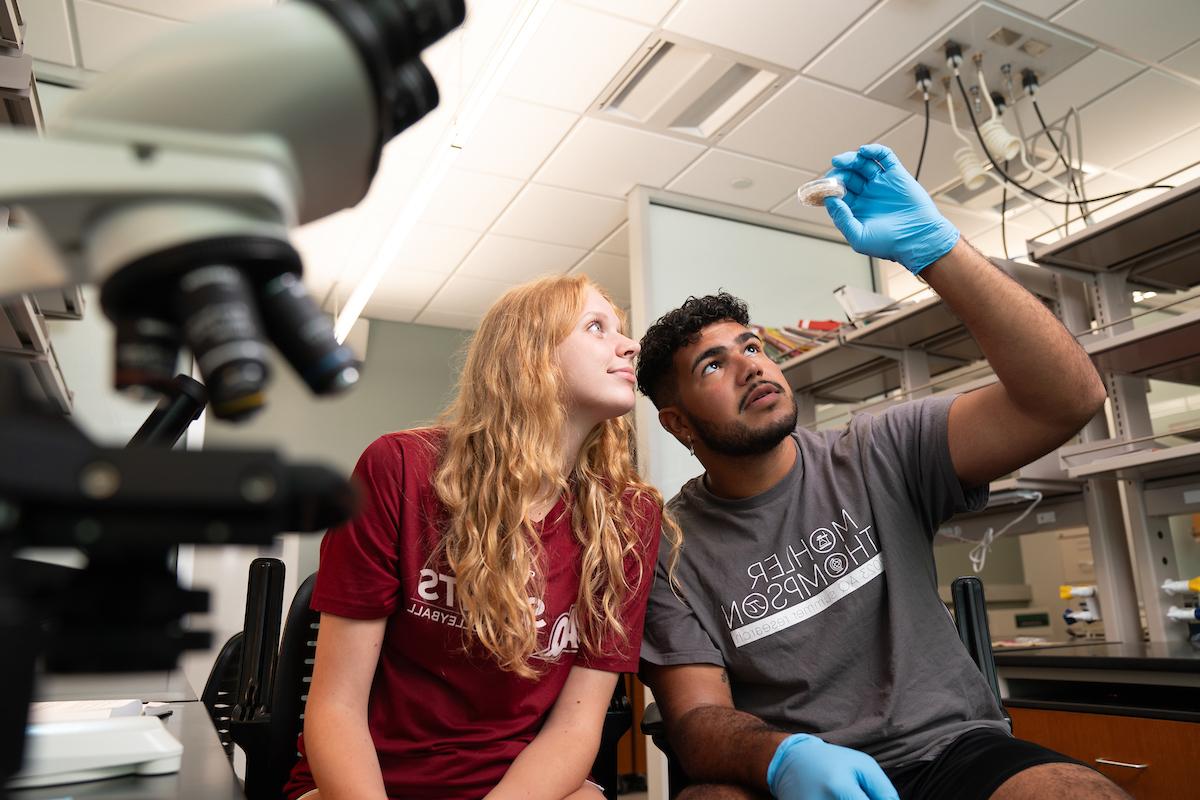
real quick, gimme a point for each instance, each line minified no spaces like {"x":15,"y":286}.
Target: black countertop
{"x":1141,"y":656}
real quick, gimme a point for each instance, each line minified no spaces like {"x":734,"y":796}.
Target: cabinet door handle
{"x":1125,"y":764}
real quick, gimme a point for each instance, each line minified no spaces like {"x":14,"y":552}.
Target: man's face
{"x":733,"y":396}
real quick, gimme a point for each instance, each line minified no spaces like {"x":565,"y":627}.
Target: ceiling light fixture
{"x":520,"y":29}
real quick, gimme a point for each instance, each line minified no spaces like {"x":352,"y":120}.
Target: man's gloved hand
{"x":808,"y":768}
{"x":886,"y":213}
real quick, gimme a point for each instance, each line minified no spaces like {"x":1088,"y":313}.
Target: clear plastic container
{"x":814,"y":192}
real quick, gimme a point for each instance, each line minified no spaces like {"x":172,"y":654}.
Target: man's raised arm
{"x":1048,"y":388}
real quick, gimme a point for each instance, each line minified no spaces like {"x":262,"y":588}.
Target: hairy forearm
{"x":1038,"y":362}
{"x":716,"y":744}
{"x":341,"y":753}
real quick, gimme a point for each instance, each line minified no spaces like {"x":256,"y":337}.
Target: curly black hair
{"x":677,"y":329}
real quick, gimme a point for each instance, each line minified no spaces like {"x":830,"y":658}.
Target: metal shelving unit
{"x":1155,"y":244}
{"x":23,"y":335}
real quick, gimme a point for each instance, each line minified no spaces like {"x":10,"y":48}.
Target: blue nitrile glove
{"x":808,"y":768}
{"x":886,"y":213}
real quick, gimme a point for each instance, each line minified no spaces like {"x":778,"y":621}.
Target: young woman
{"x":476,"y":612}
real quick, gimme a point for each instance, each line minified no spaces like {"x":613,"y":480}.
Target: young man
{"x":804,"y":651}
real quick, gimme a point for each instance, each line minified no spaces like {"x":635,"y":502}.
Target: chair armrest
{"x":652,"y":721}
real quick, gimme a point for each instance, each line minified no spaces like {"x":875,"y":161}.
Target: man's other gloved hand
{"x":886,"y":213}
{"x":808,"y":768}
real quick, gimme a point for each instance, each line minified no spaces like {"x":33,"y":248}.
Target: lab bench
{"x":1131,"y":710}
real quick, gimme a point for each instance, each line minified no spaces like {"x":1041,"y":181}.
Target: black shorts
{"x":972,"y":767}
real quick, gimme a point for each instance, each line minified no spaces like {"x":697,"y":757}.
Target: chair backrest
{"x":220,"y":691}
{"x":970,"y":616}
{"x":297,"y":654}
{"x":617,"y":720}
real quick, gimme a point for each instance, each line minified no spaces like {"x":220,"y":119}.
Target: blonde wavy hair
{"x":503,"y":448}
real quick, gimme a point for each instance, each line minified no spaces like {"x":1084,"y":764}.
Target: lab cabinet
{"x":1152,"y":759}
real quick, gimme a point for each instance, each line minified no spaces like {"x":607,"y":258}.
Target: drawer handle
{"x":1125,"y":764}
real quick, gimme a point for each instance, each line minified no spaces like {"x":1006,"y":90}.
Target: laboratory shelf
{"x":1143,"y":465}
{"x":1168,"y":350}
{"x":856,"y":366}
{"x":1061,"y":506}
{"x":1157,"y":241}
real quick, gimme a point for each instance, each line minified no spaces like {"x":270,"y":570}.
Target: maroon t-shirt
{"x":448,"y":722}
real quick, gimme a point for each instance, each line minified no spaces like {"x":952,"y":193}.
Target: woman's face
{"x":596,"y":360}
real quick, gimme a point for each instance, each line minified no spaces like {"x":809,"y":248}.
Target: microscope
{"x":171,"y":182}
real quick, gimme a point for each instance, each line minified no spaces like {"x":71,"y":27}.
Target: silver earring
{"x":691,"y":447}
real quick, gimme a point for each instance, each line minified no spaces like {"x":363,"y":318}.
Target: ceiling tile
{"x":52,"y":98}
{"x":512,"y":260}
{"x":435,"y":248}
{"x":1151,"y":32}
{"x":1138,"y":115}
{"x":377,"y":310}
{"x":1077,"y":86}
{"x":1166,"y":159}
{"x":968,"y":222}
{"x":882,"y":39}
{"x":418,"y":141}
{"x":938,"y":168}
{"x":464,"y":294}
{"x":617,"y":243}
{"x":572,"y":57}
{"x":647,"y":12}
{"x":187,"y":10}
{"x":408,"y":288}
{"x":48,"y":31}
{"x":321,"y":245}
{"x":807,"y":123}
{"x":605,"y":158}
{"x":611,"y":272}
{"x":514,"y":138}
{"x":1186,"y":61}
{"x":560,"y":216}
{"x":791,"y":207}
{"x":991,"y":244}
{"x":108,"y":34}
{"x":470,"y":200}
{"x":448,"y":319}
{"x":784,"y":32}
{"x":479,"y":35}
{"x":1041,"y":8}
{"x":714,"y":174}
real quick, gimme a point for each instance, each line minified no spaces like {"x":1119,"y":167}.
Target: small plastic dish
{"x":814,"y":193}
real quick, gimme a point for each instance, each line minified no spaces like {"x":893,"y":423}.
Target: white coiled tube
{"x":970,"y":167}
{"x":1002,"y":144}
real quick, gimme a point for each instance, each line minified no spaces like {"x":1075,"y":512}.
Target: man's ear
{"x":676,"y":424}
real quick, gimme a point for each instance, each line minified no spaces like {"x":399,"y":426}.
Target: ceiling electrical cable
{"x":924,"y":140}
{"x":924,"y":80}
{"x":1070,"y":171}
{"x":1027,"y":190}
{"x":1003,"y":214}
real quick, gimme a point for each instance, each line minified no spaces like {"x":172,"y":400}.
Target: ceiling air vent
{"x":678,"y":87}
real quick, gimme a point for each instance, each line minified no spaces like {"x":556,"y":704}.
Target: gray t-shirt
{"x":819,"y":595}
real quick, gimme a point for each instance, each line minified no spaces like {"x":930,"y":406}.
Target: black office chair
{"x":220,"y":691}
{"x":269,"y":740}
{"x":970,"y":617}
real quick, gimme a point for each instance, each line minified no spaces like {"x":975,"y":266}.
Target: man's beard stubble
{"x":737,"y":439}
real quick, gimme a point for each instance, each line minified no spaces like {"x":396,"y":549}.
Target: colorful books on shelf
{"x":788,"y":342}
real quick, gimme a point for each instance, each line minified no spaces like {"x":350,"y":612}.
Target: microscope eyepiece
{"x":416,"y":95}
{"x":389,"y":35}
